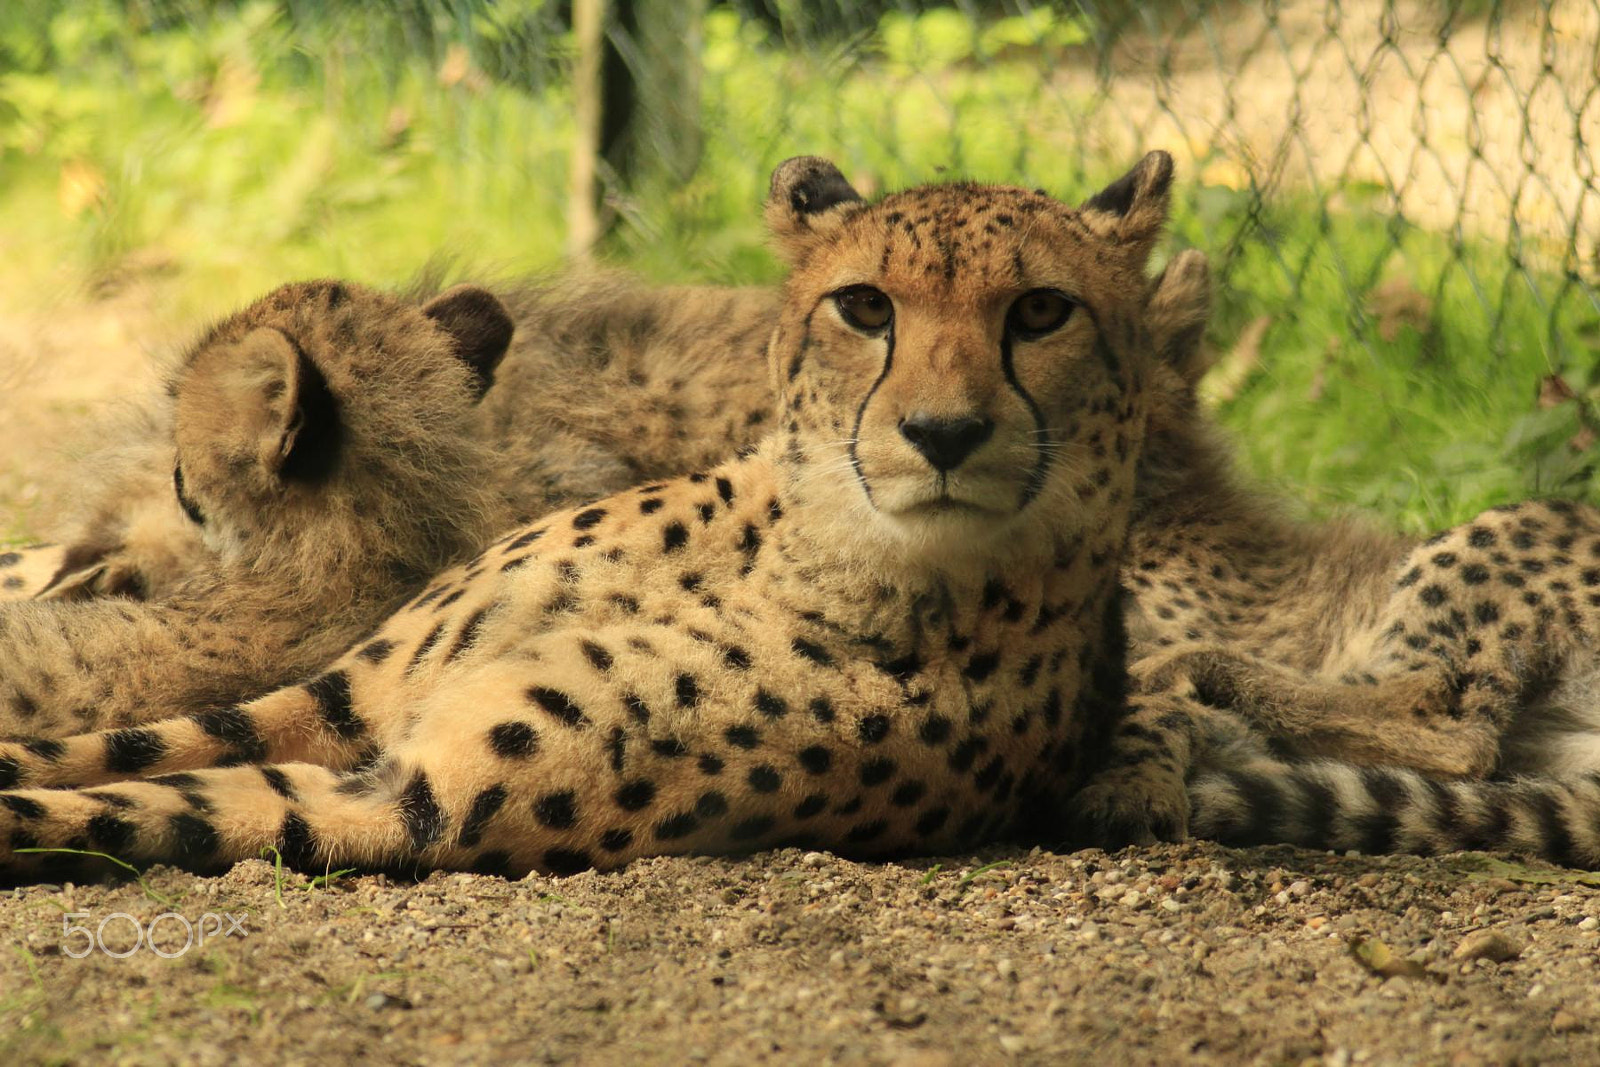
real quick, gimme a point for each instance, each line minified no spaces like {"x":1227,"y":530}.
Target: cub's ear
{"x":808,"y":200}
{"x":480,"y":326}
{"x":1180,"y":305}
{"x":263,"y":397}
{"x":1133,"y":208}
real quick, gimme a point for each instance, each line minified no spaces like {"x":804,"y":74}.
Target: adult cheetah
{"x":892,"y":626}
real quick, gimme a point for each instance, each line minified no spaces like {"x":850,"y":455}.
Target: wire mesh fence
{"x":1399,"y":196}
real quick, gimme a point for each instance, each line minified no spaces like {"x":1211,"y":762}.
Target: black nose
{"x":946,"y":442}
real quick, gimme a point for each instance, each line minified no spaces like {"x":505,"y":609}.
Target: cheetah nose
{"x":946,"y":442}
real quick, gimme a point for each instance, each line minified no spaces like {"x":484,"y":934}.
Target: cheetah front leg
{"x":1414,"y":720}
{"x":1187,"y":696}
{"x":204,"y":821}
{"x":1138,"y":795}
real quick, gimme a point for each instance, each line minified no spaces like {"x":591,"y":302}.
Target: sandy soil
{"x":1191,"y":953}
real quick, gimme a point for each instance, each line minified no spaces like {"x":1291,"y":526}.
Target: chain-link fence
{"x":1399,"y":196}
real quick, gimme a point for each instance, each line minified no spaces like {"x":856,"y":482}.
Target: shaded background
{"x":1400,"y":197}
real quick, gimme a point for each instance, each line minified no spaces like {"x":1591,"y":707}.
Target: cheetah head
{"x":955,"y":362}
{"x":327,"y":423}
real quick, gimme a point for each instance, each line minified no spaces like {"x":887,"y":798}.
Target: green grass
{"x":227,"y":147}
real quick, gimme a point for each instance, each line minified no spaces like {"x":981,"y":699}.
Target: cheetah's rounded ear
{"x":1180,"y":305}
{"x":808,"y":200}
{"x":480,"y":326}
{"x":263,"y":397}
{"x":1132,"y":209}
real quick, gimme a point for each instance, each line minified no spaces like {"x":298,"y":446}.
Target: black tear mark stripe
{"x":861,"y":412}
{"x":800,"y":351}
{"x":1041,"y":466}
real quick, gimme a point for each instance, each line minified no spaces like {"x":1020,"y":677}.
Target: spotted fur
{"x":834,"y":639}
{"x":181,"y":585}
{"x":1337,"y":686}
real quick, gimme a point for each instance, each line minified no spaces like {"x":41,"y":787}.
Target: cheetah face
{"x":950,"y":358}
{"x":284,"y":411}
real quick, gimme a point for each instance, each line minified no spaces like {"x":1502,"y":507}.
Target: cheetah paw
{"x":1129,"y":808}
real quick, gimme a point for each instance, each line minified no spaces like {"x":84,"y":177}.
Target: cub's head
{"x":323,"y":429}
{"x":957,"y":363}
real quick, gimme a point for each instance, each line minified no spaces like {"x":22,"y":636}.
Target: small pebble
{"x":1487,"y":945}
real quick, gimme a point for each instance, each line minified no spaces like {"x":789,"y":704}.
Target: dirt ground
{"x":1187,"y":953}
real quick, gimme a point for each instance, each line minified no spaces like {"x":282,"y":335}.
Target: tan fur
{"x":834,"y":639}
{"x":611,"y":375}
{"x":1335,"y":685}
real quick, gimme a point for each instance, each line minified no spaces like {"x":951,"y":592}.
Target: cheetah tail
{"x":1330,"y":805}
{"x":310,"y":723}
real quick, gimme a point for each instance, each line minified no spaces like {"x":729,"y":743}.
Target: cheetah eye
{"x":1039,"y":312}
{"x":190,"y":508}
{"x":864,"y":307}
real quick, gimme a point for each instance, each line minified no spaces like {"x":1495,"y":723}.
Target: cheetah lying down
{"x":1338,"y":687}
{"x":895,"y":625}
{"x":262,"y":572}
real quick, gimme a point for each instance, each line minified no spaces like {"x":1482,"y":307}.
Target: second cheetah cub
{"x":895,"y":626}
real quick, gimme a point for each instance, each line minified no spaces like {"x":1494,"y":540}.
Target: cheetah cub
{"x":1337,"y":686}
{"x":893,"y":626}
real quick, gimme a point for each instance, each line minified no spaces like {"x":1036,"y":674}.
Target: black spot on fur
{"x":688,"y":690}
{"x":745,"y":737}
{"x":235,"y":728}
{"x":674,"y":537}
{"x":376,"y":652}
{"x":558,"y":811}
{"x":616,"y":840}
{"x":559,"y":705}
{"x":484,"y":807}
{"x":296,"y":843}
{"x":586,"y":519}
{"x":110,"y":833}
{"x":194,"y":840}
{"x":636,"y":795}
{"x":514,"y":740}
{"x":811,"y":651}
{"x":935,"y":730}
{"x":980,"y":666}
{"x":812,"y":805}
{"x":877,"y":771}
{"x":420,"y":812}
{"x":597,"y":655}
{"x":764,"y":779}
{"x":674,"y":827}
{"x":22,"y":807}
{"x":133,"y":749}
{"x":331,"y":693}
{"x":279,"y":783}
{"x":873,"y":728}
{"x":46,"y":748}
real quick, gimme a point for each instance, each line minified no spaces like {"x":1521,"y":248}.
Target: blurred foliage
{"x":232,"y":145}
